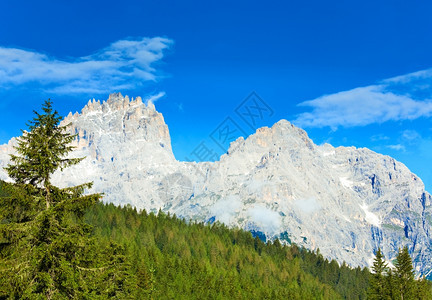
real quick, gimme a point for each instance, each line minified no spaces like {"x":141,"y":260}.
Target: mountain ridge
{"x":346,"y":201}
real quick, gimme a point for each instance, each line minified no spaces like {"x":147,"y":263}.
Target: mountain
{"x":277,"y":183}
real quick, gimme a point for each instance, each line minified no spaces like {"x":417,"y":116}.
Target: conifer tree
{"x":404,"y":275}
{"x":42,"y":236}
{"x":391,"y":289}
{"x":424,"y":289}
{"x":377,"y":284}
{"x":41,"y":151}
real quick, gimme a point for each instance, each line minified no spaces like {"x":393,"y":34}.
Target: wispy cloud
{"x":124,"y":64}
{"x":266,"y":219}
{"x":410,"y":136}
{"x":405,"y":97}
{"x":408,"y":140}
{"x":397,"y":147}
{"x":154,"y":98}
{"x":379,"y":137}
{"x":225,"y":209}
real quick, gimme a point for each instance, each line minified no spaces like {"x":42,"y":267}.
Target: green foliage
{"x":43,"y":240}
{"x":136,"y":255}
{"x":62,"y":244}
{"x":404,"y":275}
{"x":378,"y":288}
{"x":42,"y":149}
{"x":348,"y":282}
{"x":397,"y":283}
{"x":171,"y":259}
{"x":423,"y":289}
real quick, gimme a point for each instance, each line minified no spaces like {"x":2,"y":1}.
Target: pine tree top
{"x":42,"y":149}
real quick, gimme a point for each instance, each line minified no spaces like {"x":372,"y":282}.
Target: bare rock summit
{"x":276,"y":183}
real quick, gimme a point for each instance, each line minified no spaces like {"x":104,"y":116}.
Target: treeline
{"x":397,"y":282}
{"x":199,"y":261}
{"x":140,"y":255}
{"x":112,"y":252}
{"x":64,"y":244}
{"x":59,"y":243}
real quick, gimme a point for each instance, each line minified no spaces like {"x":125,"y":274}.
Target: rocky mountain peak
{"x":282,"y":136}
{"x":116,"y":97}
{"x":117,"y":121}
{"x":346,"y":201}
{"x":115,"y":102}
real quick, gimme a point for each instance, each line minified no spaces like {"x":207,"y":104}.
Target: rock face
{"x":277,"y":183}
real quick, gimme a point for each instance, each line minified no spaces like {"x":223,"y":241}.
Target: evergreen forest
{"x":63,"y":243}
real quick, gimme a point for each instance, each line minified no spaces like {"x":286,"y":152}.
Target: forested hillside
{"x":159,"y":256}
{"x":174,"y":259}
{"x":147,"y":256}
{"x":61,"y":243}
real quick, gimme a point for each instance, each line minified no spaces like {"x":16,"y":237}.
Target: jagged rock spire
{"x":276,"y":182}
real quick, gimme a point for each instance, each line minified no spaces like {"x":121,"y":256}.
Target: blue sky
{"x":349,"y":73}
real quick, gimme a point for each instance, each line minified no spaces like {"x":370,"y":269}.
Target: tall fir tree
{"x":42,"y":236}
{"x":404,"y":275}
{"x":377,"y":281}
{"x":41,"y":151}
{"x":424,"y":289}
{"x":390,"y":280}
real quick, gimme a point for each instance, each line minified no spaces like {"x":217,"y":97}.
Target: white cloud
{"x":266,"y":219}
{"x":226,"y":209}
{"x":409,"y":140}
{"x":154,"y":98}
{"x":180,"y":106}
{"x":410,"y":136}
{"x":379,"y":137}
{"x":397,"y":147}
{"x":407,"y":78}
{"x":391,"y":100}
{"x":124,"y":64}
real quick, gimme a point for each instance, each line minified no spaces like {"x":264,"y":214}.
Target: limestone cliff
{"x":277,"y":183}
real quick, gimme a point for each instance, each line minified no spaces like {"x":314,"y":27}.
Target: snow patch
{"x":335,"y":166}
{"x":346,"y":218}
{"x":370,"y":261}
{"x":331,"y":153}
{"x":346,"y":183}
{"x":92,"y":113}
{"x":370,"y":217}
